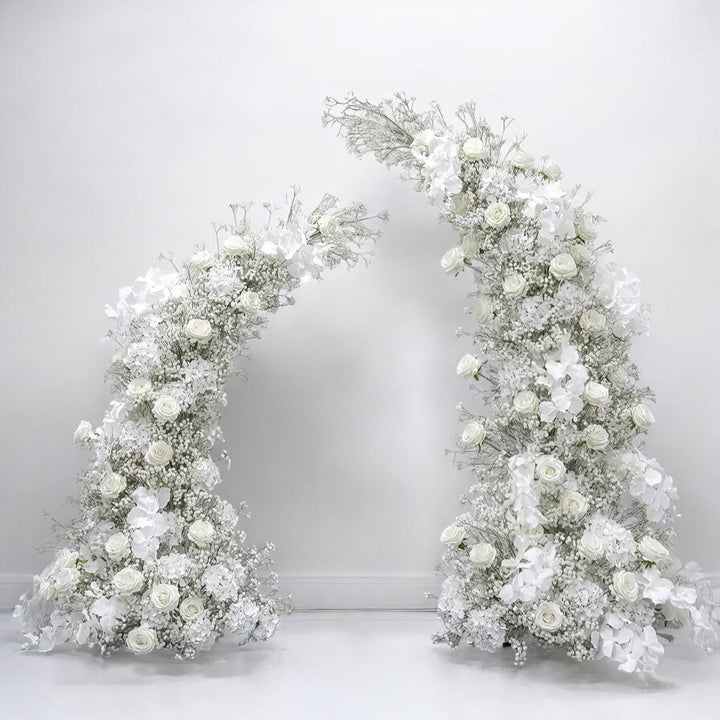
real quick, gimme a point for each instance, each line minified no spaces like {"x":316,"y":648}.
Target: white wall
{"x":126,"y":127}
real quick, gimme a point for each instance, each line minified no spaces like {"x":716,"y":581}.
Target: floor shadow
{"x":82,"y":665}
{"x":552,"y":666}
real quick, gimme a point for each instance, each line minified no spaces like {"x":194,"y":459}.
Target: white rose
{"x":548,"y":616}
{"x":515,"y":285}
{"x":453,"y":534}
{"x":592,"y":321}
{"x":549,"y":469}
{"x":625,"y":585}
{"x":534,"y":534}
{"x":590,"y":546}
{"x":128,"y":581}
{"x":461,"y":203}
{"x":237,"y":245}
{"x":474,"y":149}
{"x":453,"y":261}
{"x":652,"y":550}
{"x":198,"y":329}
{"x":596,"y":394}
{"x":112,"y":484}
{"x":164,"y":597}
{"x":250,"y":301}
{"x":83,"y":433}
{"x":328,"y":225}
{"x":497,"y":215}
{"x":138,"y":388}
{"x":526,"y":402}
{"x":192,"y":608}
{"x":551,"y":170}
{"x":483,"y":309}
{"x":426,"y":139}
{"x":582,"y":254}
{"x":117,"y":546}
{"x":522,"y":160}
{"x":573,"y":504}
{"x":166,"y":409}
{"x":46,"y":590}
{"x":471,"y":242}
{"x":474,"y":433}
{"x":596,"y":437}
{"x":586,"y":228}
{"x":468,"y":366}
{"x":201,"y":532}
{"x":65,"y":558}
{"x":202,"y":260}
{"x":618,"y":375}
{"x":563,"y":266}
{"x":141,"y":640}
{"x":642,"y":417}
{"x":482,"y":555}
{"x":66,"y":579}
{"x":159,"y":453}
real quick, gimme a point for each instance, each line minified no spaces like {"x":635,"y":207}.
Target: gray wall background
{"x":127,"y":127}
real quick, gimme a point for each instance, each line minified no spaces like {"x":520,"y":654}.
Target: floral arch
{"x":154,"y":558}
{"x":568,"y":535}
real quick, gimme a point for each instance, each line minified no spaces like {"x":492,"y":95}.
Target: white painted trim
{"x":11,"y":588}
{"x":320,"y":592}
{"x":311,"y":592}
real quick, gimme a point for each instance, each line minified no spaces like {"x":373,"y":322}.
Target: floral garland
{"x":568,"y":537}
{"x":154,"y":559}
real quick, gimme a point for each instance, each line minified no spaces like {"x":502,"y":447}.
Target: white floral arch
{"x":568,"y":534}
{"x":153,"y":558}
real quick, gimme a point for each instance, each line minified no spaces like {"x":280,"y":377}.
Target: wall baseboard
{"x":320,"y":592}
{"x":360,"y":592}
{"x":311,"y":592}
{"x":11,"y":588}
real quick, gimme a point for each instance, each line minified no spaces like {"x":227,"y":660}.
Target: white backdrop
{"x":127,"y":127}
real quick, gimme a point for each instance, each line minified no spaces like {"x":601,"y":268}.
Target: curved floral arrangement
{"x":569,"y":530}
{"x":154,"y":559}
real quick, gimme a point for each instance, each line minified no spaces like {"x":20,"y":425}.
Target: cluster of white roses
{"x":569,"y":532}
{"x":154,"y":559}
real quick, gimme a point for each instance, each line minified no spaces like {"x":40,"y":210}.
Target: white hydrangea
{"x":174,"y":566}
{"x":633,"y":647}
{"x":618,"y":543}
{"x":222,"y":280}
{"x":651,"y":485}
{"x":242,"y":617}
{"x":441,"y":169}
{"x":524,"y":491}
{"x":144,"y":297}
{"x":451,"y":602}
{"x":533,"y":570}
{"x":147,"y":522}
{"x":220,"y":582}
{"x":485,"y":629}
{"x":565,"y":379}
{"x":619,"y":291}
{"x":206,"y":473}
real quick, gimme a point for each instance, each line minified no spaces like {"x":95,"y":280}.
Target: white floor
{"x":349,"y":665}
